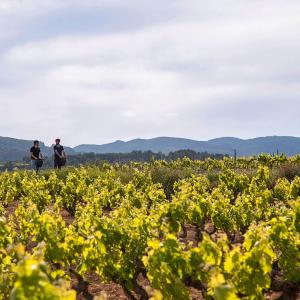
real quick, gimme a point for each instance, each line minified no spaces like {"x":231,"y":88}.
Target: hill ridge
{"x":224,"y":145}
{"x":17,"y":149}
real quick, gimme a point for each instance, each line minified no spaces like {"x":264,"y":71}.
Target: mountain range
{"x":16,"y":149}
{"x":226,"y":145}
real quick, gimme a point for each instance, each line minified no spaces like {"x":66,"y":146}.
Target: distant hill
{"x":270,"y":144}
{"x":226,"y":145}
{"x":160,"y":144}
{"x":15,"y":149}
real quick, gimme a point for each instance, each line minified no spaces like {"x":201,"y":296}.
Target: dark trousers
{"x":57,"y":163}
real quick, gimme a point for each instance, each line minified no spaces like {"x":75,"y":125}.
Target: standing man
{"x":59,"y":155}
{"x":36,"y":156}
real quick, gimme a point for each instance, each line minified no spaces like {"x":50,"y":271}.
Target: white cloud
{"x":128,"y":114}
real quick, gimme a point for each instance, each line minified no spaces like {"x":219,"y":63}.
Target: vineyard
{"x":213,"y":229}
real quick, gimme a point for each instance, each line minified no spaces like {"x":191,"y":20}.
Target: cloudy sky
{"x":93,"y":71}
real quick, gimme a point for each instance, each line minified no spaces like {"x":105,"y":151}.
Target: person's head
{"x":57,"y":141}
{"x":36,"y":143}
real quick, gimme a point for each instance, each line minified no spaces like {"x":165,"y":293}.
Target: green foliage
{"x":6,"y":277}
{"x":34,"y":283}
{"x":250,"y":272}
{"x":167,"y":265}
{"x":285,"y":238}
{"x":125,"y":221}
{"x":282,"y":189}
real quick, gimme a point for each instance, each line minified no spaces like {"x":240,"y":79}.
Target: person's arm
{"x":57,"y":153}
{"x":41,"y":156}
{"x":32,"y":155}
{"x":63,"y":153}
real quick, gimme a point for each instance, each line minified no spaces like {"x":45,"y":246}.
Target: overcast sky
{"x":93,"y":71}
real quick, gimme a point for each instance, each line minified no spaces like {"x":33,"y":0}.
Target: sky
{"x":95,"y":71}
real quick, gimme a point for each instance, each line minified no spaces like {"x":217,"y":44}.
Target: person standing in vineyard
{"x":59,"y":155}
{"x":36,"y":156}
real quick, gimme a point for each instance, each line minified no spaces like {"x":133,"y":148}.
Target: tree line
{"x":136,"y":156}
